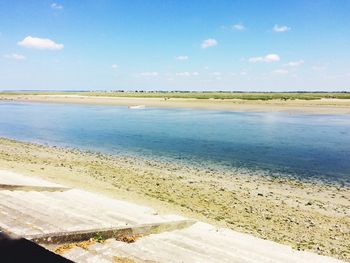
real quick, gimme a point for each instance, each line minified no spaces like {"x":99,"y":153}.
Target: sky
{"x":246,"y":45}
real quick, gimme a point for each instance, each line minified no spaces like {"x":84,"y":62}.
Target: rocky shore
{"x":306,"y":215}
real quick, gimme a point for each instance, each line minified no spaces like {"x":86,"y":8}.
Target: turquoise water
{"x":306,"y":146}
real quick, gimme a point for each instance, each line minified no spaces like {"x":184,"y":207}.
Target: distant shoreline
{"x":312,"y":106}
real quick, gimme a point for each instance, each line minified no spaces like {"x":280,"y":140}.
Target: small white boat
{"x":137,"y":107}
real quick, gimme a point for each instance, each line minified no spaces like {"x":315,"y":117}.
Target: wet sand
{"x":306,"y":215}
{"x":322,"y":106}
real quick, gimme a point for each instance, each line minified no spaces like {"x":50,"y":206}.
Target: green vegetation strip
{"x":201,"y":95}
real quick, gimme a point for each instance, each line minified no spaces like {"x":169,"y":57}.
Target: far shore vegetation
{"x":195,"y":94}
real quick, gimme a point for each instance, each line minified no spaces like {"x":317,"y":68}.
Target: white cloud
{"x":182,"y":58}
{"x":187,"y":74}
{"x":183,"y":74}
{"x":15,"y":56}
{"x":149,"y":74}
{"x":272,"y":58}
{"x":319,"y":68}
{"x":56,"y":6}
{"x":209,"y":43}
{"x":114,"y":66}
{"x":195,"y":73}
{"x":238,"y":27}
{"x":256,"y":59}
{"x":267,"y":58}
{"x":242,"y":73}
{"x":217,"y":75}
{"x":295,"y":63}
{"x":280,"y":71}
{"x":40,"y":43}
{"x":280,"y":29}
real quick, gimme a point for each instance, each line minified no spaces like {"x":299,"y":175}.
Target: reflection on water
{"x":309,"y":146}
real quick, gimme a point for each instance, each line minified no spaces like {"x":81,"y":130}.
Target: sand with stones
{"x":308,"y":216}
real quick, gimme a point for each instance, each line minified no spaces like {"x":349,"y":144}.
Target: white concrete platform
{"x":11,"y":178}
{"x":28,"y":213}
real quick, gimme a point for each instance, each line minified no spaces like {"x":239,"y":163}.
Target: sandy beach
{"x":322,"y":106}
{"x":306,"y":215}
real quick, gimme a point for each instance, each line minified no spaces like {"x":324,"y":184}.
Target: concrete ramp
{"x":198,"y":243}
{"x":33,"y":212}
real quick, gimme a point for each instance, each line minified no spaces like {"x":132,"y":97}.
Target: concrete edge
{"x":105,"y":233}
{"x":12,"y":187}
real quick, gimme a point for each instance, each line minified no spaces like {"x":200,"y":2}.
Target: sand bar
{"x":322,"y":106}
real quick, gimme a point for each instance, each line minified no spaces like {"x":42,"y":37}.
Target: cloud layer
{"x":182,"y":58}
{"x":280,"y":72}
{"x":56,"y":6}
{"x":40,"y":43}
{"x":268,"y":58}
{"x":280,"y":29}
{"x":186,"y":74}
{"x":295,"y":63}
{"x":209,"y":43}
{"x":15,"y":56}
{"x":238,"y":27}
{"x":149,"y":74}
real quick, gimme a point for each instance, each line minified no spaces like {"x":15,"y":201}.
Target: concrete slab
{"x":28,"y":213}
{"x":11,"y":178}
{"x":114,"y":232}
{"x":202,"y":243}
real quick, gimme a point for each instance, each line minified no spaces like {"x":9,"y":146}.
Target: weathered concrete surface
{"x":41,"y":213}
{"x":114,"y":232}
{"x":28,"y":213}
{"x":198,"y":243}
{"x":11,"y":178}
{"x":12,"y":187}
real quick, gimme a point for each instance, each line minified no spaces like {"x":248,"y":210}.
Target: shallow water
{"x":307,"y":146}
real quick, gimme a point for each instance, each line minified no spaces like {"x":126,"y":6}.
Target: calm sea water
{"x":307,"y":146}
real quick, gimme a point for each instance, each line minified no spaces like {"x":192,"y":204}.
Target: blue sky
{"x":175,"y":45}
